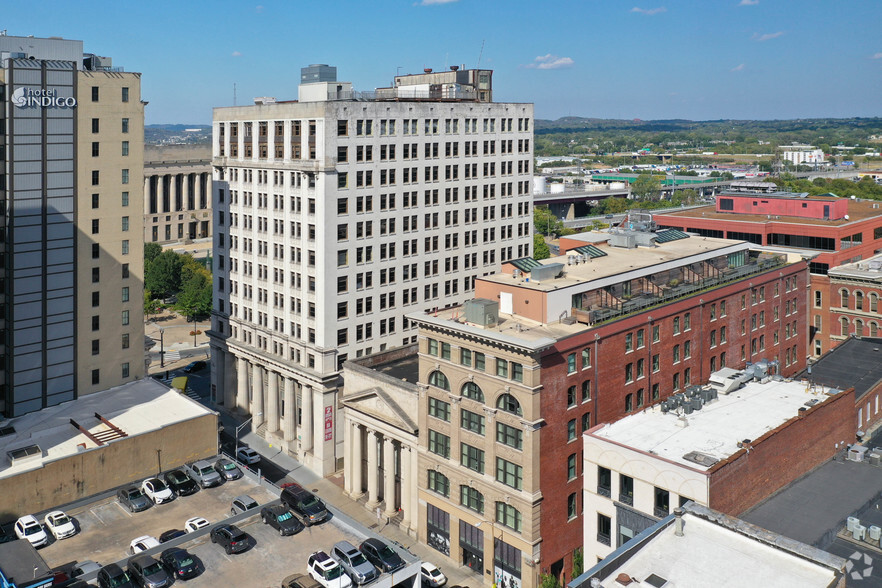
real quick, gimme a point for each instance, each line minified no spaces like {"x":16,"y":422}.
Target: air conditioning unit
{"x":851,"y":523}
{"x":859,"y":532}
{"x":875,"y":533}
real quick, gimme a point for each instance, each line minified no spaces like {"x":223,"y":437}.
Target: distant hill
{"x":581,"y":124}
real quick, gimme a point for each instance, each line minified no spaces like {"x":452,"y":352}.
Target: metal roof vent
{"x":24,"y":454}
{"x":481,"y":311}
{"x":656,"y":581}
{"x":701,"y":459}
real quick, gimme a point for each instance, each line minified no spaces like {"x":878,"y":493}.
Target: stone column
{"x":373,"y":464}
{"x":404,"y":460}
{"x":290,"y":408}
{"x":272,"y":405}
{"x":413,"y":490}
{"x":356,"y":456}
{"x":160,"y":194}
{"x":389,"y":476}
{"x":242,"y":379}
{"x":257,"y":396}
{"x":173,"y":195}
{"x":147,"y":195}
{"x":306,"y":429}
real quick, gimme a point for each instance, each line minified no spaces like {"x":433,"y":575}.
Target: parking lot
{"x":107,"y":529}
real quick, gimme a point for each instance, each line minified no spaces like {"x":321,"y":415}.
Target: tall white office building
{"x":339,"y":213}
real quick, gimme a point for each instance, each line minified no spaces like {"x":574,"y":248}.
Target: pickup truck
{"x":203,"y":473}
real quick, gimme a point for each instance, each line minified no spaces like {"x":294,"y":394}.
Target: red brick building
{"x":618,"y":323}
{"x":829,"y":231}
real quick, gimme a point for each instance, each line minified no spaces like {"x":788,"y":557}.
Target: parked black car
{"x":113,"y":576}
{"x":171,"y":534}
{"x":179,"y":563}
{"x":305,"y":504}
{"x":381,"y":555}
{"x":231,"y":538}
{"x":195,"y":366}
{"x":180,"y":483}
{"x":281,"y":519}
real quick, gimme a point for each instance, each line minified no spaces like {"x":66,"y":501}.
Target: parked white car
{"x":247,"y":455}
{"x":60,"y":525}
{"x":142,"y":543}
{"x":157,"y":491}
{"x":27,"y":527}
{"x":432,"y":576}
{"x":196,"y":523}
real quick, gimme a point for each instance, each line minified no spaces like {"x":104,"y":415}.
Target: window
{"x":604,"y":529}
{"x":676,"y":325}
{"x":517,"y":372}
{"x":125,"y":270}
{"x":125,"y":198}
{"x":571,"y":430}
{"x":125,"y":317}
{"x":95,"y":323}
{"x":94,"y":93}
{"x":509,"y":403}
{"x":655,"y":334}
{"x":509,"y":473}
{"x":629,"y":402}
{"x":509,"y":516}
{"x":439,"y":409}
{"x":465,"y":357}
{"x":94,"y":125}
{"x":662,"y":502}
{"x":125,"y":125}
{"x":629,"y":372}
{"x":571,"y":363}
{"x":96,"y":177}
{"x":509,"y":436}
{"x":626,"y":490}
{"x":571,"y":466}
{"x":439,"y":444}
{"x":604,"y":481}
{"x":479,"y":361}
{"x":629,"y":342}
{"x":439,"y":380}
{"x":471,"y":498}
{"x":586,"y":358}
{"x":473,"y":391}
{"x":471,"y":457}
{"x":125,"y":94}
{"x":125,"y":148}
{"x":95,"y":346}
{"x":586,"y":421}
{"x":96,"y":275}
{"x":445,"y":351}
{"x":125,"y":294}
{"x":571,"y":396}
{"x":125,"y":341}
{"x":817,"y":299}
{"x":586,"y":390}
{"x":572,"y":506}
{"x":125,"y":223}
{"x":95,"y":148}
{"x":471,"y":421}
{"x":96,"y":377}
{"x":125,"y":370}
{"x":502,"y":368}
{"x":439,"y":483}
{"x":125,"y":176}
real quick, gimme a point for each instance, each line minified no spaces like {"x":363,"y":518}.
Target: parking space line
{"x":127,"y":513}
{"x":94,"y":514}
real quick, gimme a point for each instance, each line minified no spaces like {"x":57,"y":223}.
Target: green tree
{"x":151,"y":304}
{"x":578,"y":562}
{"x":545,"y":223}
{"x":645,"y":187}
{"x":163,"y":275}
{"x":613,"y":205}
{"x":151,"y":251}
{"x":194,"y":298}
{"x":540,"y":247}
{"x":548,"y":581}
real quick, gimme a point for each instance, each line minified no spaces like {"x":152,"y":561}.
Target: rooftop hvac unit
{"x":665,"y":406}
{"x":856,"y":452}
{"x":875,"y":533}
{"x":516,"y":273}
{"x":875,"y":458}
{"x":688,"y":408}
{"x":859,"y":532}
{"x":851,"y":523}
{"x":482,"y":312}
{"x":697,"y":403}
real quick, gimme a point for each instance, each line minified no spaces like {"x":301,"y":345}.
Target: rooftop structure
{"x":92,"y":421}
{"x":704,"y":547}
{"x":716,"y":430}
{"x":728,"y":451}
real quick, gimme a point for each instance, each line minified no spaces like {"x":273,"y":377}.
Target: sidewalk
{"x":171,"y":332}
{"x":330,"y":490}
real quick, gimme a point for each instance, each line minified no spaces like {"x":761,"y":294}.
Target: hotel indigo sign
{"x":27,"y":98}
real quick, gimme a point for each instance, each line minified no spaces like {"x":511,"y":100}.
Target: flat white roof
{"x":135,"y":408}
{"x":716,"y":429}
{"x":709,"y":554}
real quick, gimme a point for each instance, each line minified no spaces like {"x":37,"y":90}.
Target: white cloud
{"x":739,"y":67}
{"x":766,"y":36}
{"x":649,"y":11}
{"x":550,"y":61}
{"x":430,"y":2}
{"x":748,"y":3}
{"x":877,"y":56}
{"x":237,"y":54}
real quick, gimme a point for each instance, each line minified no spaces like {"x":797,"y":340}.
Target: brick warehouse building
{"x":729,"y":451}
{"x":585,"y":338}
{"x":845,"y":302}
{"x":832,"y":231}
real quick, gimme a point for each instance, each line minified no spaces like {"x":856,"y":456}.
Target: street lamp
{"x":161,"y":346}
{"x":242,"y":426}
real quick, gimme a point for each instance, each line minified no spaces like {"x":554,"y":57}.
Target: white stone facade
{"x":332,"y":221}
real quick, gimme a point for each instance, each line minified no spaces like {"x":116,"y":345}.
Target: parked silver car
{"x":353,"y":562}
{"x":203,"y":473}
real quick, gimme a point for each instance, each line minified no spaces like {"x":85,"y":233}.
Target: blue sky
{"x":706,"y":59}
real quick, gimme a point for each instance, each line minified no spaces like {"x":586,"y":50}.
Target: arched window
{"x":874,"y":302}
{"x":439,"y":380}
{"x":843,"y":295}
{"x":471,"y":498}
{"x":843,"y":326}
{"x":858,"y":300}
{"x":874,"y":329}
{"x":858,"y":328}
{"x":473,"y":391}
{"x":509,"y":403}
